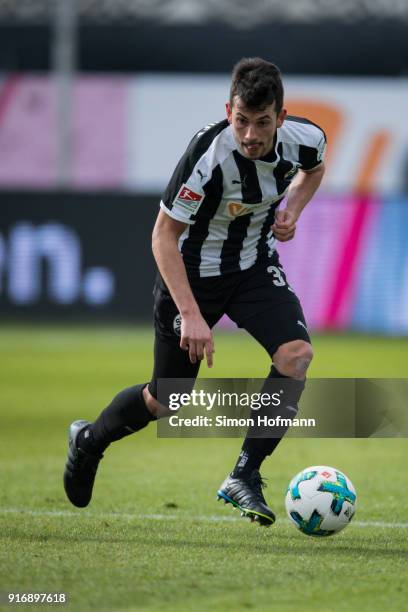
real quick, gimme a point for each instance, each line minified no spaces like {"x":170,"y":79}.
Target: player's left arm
{"x":301,"y":191}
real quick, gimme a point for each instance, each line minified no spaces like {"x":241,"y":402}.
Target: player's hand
{"x":284,"y":227}
{"x":197,"y":339}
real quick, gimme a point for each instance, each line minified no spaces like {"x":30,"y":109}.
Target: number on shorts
{"x":278,"y":279}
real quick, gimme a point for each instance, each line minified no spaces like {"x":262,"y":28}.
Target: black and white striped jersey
{"x":229,"y":201}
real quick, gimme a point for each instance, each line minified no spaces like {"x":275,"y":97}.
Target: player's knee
{"x":153,"y":405}
{"x":293,"y":358}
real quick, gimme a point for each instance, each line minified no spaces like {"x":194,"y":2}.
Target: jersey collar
{"x":272,"y":156}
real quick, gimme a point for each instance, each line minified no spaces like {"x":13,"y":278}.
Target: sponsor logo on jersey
{"x":236,"y":210}
{"x":188,"y":199}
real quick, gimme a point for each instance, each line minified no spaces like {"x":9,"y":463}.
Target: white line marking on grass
{"x":380,"y":524}
{"x":120,"y":515}
{"x":169,"y":517}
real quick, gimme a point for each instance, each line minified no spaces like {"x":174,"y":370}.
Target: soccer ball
{"x":320,"y":500}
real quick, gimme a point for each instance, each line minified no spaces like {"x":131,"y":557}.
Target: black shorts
{"x":258,"y":299}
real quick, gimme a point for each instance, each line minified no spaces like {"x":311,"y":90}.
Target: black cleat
{"x":247,"y":496}
{"x":80,"y":468}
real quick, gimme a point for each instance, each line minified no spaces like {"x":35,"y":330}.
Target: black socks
{"x":126,"y":414}
{"x":255,"y":449}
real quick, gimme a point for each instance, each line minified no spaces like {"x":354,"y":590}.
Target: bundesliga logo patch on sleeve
{"x":188,"y":199}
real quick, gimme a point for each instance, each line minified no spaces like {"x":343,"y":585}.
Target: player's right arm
{"x":196,"y":336}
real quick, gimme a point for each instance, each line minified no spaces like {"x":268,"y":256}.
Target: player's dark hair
{"x":258,"y":84}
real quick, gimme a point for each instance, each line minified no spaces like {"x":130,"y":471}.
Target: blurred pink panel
{"x":226,"y":323}
{"x":99,"y":132}
{"x":311,"y":260}
{"x":364,"y":212}
{"x":27,"y":139}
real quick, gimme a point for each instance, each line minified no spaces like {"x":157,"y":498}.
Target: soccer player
{"x":214,"y":243}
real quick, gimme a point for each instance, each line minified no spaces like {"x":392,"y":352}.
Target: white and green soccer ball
{"x":320,"y":500}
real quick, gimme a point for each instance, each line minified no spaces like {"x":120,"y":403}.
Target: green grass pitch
{"x":154,"y":537}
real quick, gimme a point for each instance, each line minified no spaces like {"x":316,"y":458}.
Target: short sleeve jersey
{"x":228,"y":201}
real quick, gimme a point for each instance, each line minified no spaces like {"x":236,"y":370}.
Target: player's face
{"x":254,"y":131}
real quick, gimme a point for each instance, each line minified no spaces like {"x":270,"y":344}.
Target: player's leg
{"x":291,"y":360}
{"x":281,"y":330}
{"x":126,"y":414}
{"x":243,"y":487}
{"x":133,"y":408}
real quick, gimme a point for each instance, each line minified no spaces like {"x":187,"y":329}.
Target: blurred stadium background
{"x":99,"y":99}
